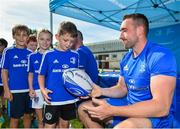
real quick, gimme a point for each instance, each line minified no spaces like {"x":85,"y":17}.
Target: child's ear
{"x":13,"y":37}
{"x":57,"y":37}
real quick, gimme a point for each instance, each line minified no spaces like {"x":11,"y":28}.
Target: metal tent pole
{"x":51,"y":22}
{"x":51,"y":26}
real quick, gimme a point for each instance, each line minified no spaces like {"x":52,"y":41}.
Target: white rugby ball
{"x":77,"y":82}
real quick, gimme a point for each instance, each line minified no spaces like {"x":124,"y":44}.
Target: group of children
{"x":37,"y":76}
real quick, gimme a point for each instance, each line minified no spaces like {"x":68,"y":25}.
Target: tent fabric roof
{"x":109,"y":13}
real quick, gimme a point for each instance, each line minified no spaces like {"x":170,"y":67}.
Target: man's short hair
{"x":140,"y":19}
{"x":3,"y":42}
{"x":17,"y":28}
{"x":67,"y":27}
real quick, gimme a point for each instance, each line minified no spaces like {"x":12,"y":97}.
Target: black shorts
{"x":1,"y":90}
{"x":20,"y":105}
{"x":52,"y":113}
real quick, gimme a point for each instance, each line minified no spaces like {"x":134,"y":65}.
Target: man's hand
{"x":101,"y":109}
{"x":8,"y":95}
{"x":96,"y":91}
{"x":45,"y":93}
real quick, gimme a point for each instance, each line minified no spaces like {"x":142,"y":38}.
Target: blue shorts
{"x":161,"y":122}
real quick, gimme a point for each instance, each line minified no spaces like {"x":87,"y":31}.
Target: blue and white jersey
{"x":88,"y":63}
{"x":15,"y":60}
{"x":1,"y":84}
{"x":137,"y":72}
{"x":53,"y":64}
{"x":34,"y":62}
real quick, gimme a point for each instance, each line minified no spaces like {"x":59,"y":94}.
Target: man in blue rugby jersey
{"x":147,"y":77}
{"x":87,"y":61}
{"x":60,"y":104}
{"x":15,"y":77}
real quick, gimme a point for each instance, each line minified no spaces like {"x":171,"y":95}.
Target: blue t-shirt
{"x":15,"y":60}
{"x":0,"y":70}
{"x":137,"y":72}
{"x":53,"y":64}
{"x":88,"y":62}
{"x":34,"y":62}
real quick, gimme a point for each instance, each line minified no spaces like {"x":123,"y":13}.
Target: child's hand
{"x":45,"y":93}
{"x":32,"y":93}
{"x":8,"y":95}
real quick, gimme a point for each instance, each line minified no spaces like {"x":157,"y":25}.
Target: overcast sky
{"x":35,"y":14}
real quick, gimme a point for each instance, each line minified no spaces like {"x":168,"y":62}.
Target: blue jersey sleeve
{"x":121,"y":69}
{"x":162,"y":62}
{"x":5,"y":59}
{"x":82,"y":59}
{"x":30,"y":64}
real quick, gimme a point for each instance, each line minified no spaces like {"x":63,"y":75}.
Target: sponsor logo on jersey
{"x":132,"y":81}
{"x":19,"y":65}
{"x":23,"y":61}
{"x":58,"y":70}
{"x":22,"y":64}
{"x":36,"y":71}
{"x":65,"y":66}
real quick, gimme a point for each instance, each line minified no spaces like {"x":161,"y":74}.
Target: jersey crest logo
{"x":48,"y":116}
{"x":142,"y":68}
{"x":73,"y":60}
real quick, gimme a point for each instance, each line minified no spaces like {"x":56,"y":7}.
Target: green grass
{"x":74,"y":123}
{"x":7,"y":122}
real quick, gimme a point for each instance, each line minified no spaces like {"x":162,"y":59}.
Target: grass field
{"x":74,"y":123}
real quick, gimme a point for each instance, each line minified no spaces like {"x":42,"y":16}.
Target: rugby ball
{"x":77,"y":82}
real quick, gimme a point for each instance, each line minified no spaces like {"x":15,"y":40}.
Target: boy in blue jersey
{"x":44,"y":40}
{"x":147,"y":77}
{"x":3,"y":45}
{"x":15,"y":77}
{"x":60,"y":104}
{"x":87,"y":61}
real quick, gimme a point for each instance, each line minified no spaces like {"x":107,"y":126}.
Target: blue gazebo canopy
{"x":109,"y":13}
{"x":163,"y":15}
